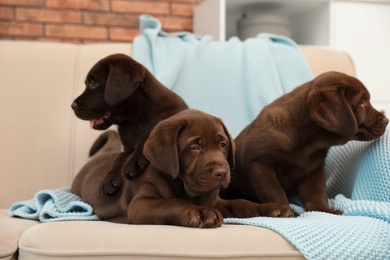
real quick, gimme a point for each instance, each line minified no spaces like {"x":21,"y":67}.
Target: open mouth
{"x":95,"y":123}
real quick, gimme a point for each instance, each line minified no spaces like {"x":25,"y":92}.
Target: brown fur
{"x":121,"y":91}
{"x":282,"y":152}
{"x":190,"y":157}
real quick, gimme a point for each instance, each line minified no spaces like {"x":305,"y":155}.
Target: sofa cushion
{"x":10,"y":231}
{"x":105,"y":240}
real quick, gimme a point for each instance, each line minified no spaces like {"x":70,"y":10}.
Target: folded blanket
{"x":235,"y":80}
{"x":232,"y":80}
{"x":53,"y":205}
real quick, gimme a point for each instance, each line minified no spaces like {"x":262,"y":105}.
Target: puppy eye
{"x":223,"y":144}
{"x":361,"y":103}
{"x":92,"y":84}
{"x":195,"y":147}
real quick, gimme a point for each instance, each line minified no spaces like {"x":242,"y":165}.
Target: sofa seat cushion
{"x":10,"y":231}
{"x":105,"y":240}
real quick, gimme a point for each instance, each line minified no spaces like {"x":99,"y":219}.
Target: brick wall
{"x":85,"y":21}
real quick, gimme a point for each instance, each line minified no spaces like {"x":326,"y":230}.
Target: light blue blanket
{"x":234,"y":80}
{"x":53,"y":205}
{"x":360,"y":170}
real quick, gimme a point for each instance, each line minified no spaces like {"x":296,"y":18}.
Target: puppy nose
{"x":74,"y":105}
{"x":220,"y":172}
{"x":385,"y":120}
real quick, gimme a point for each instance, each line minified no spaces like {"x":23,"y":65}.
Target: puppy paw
{"x":335,"y":212}
{"x":203,"y":217}
{"x":135,"y":166}
{"x":277,"y":211}
{"x":325,"y":209}
{"x":110,"y":187}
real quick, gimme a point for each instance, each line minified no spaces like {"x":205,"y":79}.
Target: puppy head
{"x":341,"y":104}
{"x":109,"y":82}
{"x":195,"y":147}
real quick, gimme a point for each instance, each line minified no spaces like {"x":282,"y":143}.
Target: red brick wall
{"x":85,"y":21}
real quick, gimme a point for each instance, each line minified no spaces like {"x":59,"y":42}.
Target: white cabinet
{"x":360,"y":27}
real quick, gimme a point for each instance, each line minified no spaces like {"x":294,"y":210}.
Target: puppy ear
{"x":123,"y":79}
{"x":232,"y":147}
{"x":330,"y":110}
{"x":161,"y":147}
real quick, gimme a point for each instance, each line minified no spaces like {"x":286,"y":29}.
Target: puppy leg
{"x":312,"y":192}
{"x":134,"y":166}
{"x":148,"y":209}
{"x":112,"y":180}
{"x":246,"y":209}
{"x":136,"y":163}
{"x":265,"y":184}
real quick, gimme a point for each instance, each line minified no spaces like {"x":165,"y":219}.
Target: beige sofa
{"x":43,"y":145}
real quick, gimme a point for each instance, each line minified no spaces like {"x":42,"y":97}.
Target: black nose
{"x":74,"y":105}
{"x":220,"y":172}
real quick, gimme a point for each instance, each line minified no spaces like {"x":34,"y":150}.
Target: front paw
{"x":134,"y":167}
{"x":335,"y":212}
{"x":202,"y":217}
{"x":278,"y":210}
{"x":267,"y":210}
{"x":110,"y":186}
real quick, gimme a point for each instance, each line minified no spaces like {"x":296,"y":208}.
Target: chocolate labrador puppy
{"x":190,"y":157}
{"x":282,"y":152}
{"x":121,"y":91}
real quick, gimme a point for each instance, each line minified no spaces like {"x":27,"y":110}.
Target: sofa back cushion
{"x":43,"y":144}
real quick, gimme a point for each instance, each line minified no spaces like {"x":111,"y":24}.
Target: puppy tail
{"x":107,"y":141}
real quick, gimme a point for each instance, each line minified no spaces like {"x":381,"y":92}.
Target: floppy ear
{"x":161,"y":147}
{"x":232,"y":147}
{"x":330,"y":110}
{"x":123,"y":79}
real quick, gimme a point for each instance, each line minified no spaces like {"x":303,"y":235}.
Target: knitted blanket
{"x":360,"y":170}
{"x":234,"y":80}
{"x":53,"y":205}
{"x":320,"y":235}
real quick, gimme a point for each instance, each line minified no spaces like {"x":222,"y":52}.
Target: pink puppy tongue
{"x":92,"y":123}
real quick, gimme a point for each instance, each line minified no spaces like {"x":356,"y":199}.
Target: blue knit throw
{"x":53,"y":205}
{"x":232,"y":80}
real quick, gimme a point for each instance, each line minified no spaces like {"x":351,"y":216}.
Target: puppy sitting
{"x":282,"y":152}
{"x":121,"y":91}
{"x":190,"y":157}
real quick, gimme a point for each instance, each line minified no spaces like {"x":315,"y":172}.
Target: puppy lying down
{"x":190,"y":157}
